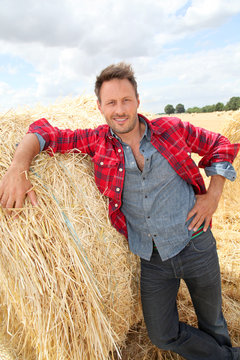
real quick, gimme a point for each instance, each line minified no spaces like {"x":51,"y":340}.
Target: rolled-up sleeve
{"x":41,"y":140}
{"x":223,"y":168}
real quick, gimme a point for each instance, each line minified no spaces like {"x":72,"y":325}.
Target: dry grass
{"x":69,"y":285}
{"x":216,"y":121}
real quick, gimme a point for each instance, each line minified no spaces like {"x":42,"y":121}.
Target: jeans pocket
{"x":204,"y":241}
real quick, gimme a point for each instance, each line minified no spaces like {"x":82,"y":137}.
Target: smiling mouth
{"x":120,"y":119}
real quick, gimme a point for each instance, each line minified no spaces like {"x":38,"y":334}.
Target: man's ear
{"x":99,"y":106}
{"x":138,"y":100}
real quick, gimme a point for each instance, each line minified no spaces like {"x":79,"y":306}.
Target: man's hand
{"x":202,"y":211}
{"x":14,"y":187}
{"x":206,"y":204}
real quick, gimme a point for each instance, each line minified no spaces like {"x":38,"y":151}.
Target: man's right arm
{"x":15,"y":185}
{"x":65,"y":140}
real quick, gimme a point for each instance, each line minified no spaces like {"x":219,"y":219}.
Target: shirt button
{"x":117,"y":189}
{"x":149,"y":235}
{"x":145,"y":196}
{"x":120,"y":169}
{"x":119,"y":150}
{"x":101,"y":163}
{"x":148,"y":217}
{"x":116,"y":205}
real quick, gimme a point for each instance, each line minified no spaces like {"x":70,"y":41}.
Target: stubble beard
{"x":126,"y":130}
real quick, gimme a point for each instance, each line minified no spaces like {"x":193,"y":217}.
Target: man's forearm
{"x":216,"y":185}
{"x":27,"y":149}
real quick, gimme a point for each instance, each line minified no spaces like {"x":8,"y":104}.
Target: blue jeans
{"x":198,"y":265}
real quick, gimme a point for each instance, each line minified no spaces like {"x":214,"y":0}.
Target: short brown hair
{"x":115,"y":71}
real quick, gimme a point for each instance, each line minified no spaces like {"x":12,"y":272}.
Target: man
{"x":157,"y":199}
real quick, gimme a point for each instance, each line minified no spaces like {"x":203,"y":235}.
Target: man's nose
{"x":119,"y":109}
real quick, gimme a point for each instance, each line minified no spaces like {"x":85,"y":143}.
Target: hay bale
{"x":69,"y":285}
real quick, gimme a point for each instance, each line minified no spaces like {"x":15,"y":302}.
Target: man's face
{"x":119,"y":104}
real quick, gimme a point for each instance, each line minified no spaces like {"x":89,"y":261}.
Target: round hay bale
{"x":70,"y":286}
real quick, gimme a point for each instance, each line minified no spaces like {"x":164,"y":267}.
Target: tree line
{"x":232,"y":104}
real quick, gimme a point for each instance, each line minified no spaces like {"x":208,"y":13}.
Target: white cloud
{"x":4,"y":89}
{"x":120,"y":29}
{"x":199,"y":79}
{"x":209,"y":13}
{"x":11,"y":97}
{"x":68,"y":42}
{"x":8,"y":68}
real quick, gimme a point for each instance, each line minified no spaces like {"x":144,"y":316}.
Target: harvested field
{"x":215,"y":121}
{"x":69,"y":285}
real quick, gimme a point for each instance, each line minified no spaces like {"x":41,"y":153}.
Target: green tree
{"x":219,"y":106}
{"x":208,"y":108}
{"x":169,"y":109}
{"x":233,"y":103}
{"x":194,"y":109}
{"x":180,"y":109}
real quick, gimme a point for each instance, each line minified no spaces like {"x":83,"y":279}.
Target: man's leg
{"x":158,"y":294}
{"x":159,"y":286}
{"x":206,"y":296}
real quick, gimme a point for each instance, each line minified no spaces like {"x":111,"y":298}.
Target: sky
{"x":184,"y":52}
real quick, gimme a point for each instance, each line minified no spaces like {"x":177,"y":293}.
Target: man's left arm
{"x":212,"y":147}
{"x":218,"y":154}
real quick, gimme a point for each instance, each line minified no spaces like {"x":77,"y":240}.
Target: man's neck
{"x":134,"y":137}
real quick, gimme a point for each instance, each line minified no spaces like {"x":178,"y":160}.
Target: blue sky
{"x":182,"y":51}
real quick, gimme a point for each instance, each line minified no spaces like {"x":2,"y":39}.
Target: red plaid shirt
{"x":174,"y":139}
